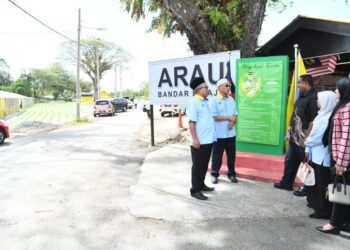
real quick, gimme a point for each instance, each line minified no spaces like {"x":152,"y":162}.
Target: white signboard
{"x":169,"y":80}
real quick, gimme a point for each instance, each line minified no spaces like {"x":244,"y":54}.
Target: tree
{"x":86,"y":86}
{"x":54,"y":80}
{"x":61,"y":81}
{"x":40,"y":82}
{"x":5,"y":77}
{"x":22,"y":85}
{"x":144,"y":89}
{"x":210,"y":26}
{"x":93,"y":51}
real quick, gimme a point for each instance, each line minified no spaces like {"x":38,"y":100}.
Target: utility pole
{"x":77,"y":86}
{"x":115,"y":80}
{"x":97,"y":73}
{"x":120,"y":75}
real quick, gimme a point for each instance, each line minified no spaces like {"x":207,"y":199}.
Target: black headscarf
{"x":343,"y":86}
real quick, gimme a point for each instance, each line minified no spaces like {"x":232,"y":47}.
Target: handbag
{"x":306,"y":174}
{"x":339,"y":192}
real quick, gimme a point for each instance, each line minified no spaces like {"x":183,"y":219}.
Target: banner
{"x":169,"y":80}
{"x":261,"y":102}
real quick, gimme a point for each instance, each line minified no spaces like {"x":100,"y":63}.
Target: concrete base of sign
{"x":266,"y":168}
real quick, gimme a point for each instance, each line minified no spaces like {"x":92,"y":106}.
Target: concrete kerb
{"x":162,"y":192}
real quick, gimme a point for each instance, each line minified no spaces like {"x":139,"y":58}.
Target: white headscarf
{"x":327,"y":100}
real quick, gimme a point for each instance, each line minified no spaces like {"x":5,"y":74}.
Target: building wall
{"x":326,"y":82}
{"x":9,"y":106}
{"x":85,"y":99}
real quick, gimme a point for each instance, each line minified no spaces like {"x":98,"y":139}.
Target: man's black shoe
{"x":280,"y":186}
{"x":233,"y":179}
{"x":214,"y":179}
{"x":300,"y":192}
{"x":208,"y":189}
{"x":199,"y":196}
{"x":346,"y":228}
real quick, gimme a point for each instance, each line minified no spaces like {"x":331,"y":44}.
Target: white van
{"x":172,"y":109}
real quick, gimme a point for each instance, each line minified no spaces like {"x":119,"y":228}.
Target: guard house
{"x":318,"y":40}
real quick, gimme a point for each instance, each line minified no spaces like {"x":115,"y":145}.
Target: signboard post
{"x":261,"y":98}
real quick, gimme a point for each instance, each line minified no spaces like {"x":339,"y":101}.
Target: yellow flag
{"x":290,"y":105}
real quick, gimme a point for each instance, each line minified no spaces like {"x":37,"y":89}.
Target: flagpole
{"x":296,"y":71}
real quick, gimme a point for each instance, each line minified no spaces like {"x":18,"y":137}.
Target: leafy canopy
{"x":226,"y":16}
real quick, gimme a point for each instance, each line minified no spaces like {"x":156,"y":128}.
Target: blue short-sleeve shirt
{"x":224,"y":106}
{"x":199,"y":113}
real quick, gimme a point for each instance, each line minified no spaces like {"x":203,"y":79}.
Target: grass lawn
{"x":56,"y":113}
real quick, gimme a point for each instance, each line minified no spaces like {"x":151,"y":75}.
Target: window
{"x":102,"y":103}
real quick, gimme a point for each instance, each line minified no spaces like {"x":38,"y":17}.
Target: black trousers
{"x":200,"y":162}
{"x":229,"y":145}
{"x":340,"y":212}
{"x":294,"y":156}
{"x":316,"y":195}
{"x":340,"y":215}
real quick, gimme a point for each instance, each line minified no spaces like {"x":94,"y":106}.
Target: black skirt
{"x":316,"y":195}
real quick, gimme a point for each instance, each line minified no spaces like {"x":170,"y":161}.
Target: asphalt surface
{"x":100,"y":186}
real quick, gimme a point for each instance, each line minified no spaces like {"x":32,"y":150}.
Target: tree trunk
{"x":254,"y":10}
{"x":95,"y":89}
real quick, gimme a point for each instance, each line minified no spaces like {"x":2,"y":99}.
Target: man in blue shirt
{"x":224,"y":111}
{"x":202,"y":130}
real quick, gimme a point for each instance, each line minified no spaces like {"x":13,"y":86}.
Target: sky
{"x":26,"y":44}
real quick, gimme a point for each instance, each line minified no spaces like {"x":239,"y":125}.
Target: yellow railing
{"x":9,"y":106}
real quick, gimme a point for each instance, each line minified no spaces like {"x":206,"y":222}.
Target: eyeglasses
{"x":228,"y":85}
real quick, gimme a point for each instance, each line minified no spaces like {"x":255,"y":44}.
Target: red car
{"x":4,"y":132}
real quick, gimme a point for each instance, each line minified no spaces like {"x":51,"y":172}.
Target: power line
{"x":47,"y":26}
{"x":28,"y":33}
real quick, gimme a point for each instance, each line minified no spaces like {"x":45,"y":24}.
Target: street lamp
{"x":115,"y":80}
{"x":77,"y":85}
{"x":120,"y":75}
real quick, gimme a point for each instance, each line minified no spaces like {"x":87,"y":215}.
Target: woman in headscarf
{"x":339,"y":140}
{"x":319,"y":156}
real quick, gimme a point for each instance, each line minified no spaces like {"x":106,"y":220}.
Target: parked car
{"x":130,"y":104}
{"x":129,"y":98}
{"x":120,"y":104}
{"x":172,"y":110}
{"x":4,"y":132}
{"x":103,"y":107}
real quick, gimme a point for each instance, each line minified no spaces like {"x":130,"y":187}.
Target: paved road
{"x":67,"y":189}
{"x":70,"y":189}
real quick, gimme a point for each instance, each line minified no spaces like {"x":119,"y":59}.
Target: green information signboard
{"x":261,"y":97}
